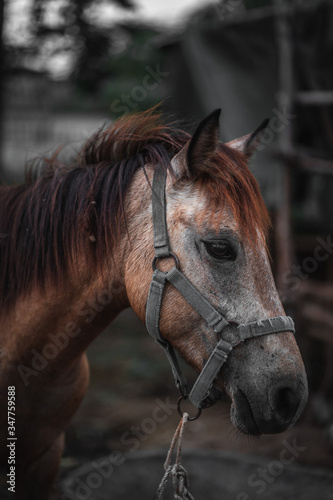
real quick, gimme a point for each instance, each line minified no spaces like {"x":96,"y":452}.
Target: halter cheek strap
{"x":202,"y":392}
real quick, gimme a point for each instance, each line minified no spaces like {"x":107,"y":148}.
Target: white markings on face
{"x":243,"y":290}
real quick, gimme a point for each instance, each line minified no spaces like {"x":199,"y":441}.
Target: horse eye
{"x":219,"y":250}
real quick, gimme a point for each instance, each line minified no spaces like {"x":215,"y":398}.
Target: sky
{"x":165,"y":12}
{"x":169,"y":11}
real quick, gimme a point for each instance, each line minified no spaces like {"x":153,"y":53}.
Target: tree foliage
{"x":73,"y":32}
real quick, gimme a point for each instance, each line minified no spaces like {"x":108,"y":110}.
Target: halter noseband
{"x":202,"y":393}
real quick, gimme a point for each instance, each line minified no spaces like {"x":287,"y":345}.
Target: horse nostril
{"x":285,"y":399}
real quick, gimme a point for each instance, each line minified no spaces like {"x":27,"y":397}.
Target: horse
{"x":76,"y":249}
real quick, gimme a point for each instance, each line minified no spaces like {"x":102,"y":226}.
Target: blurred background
{"x":70,"y":66}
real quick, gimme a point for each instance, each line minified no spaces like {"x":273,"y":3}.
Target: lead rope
{"x":177,"y":472}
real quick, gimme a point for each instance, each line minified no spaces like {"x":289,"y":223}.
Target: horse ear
{"x":250,"y":142}
{"x":191,"y":159}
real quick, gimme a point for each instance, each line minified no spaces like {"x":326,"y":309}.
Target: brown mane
{"x":64,"y":209}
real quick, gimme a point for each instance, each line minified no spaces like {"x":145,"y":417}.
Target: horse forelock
{"x":226,"y":181}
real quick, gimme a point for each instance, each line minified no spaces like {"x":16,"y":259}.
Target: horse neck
{"x":71,"y":314}
{"x":76,"y":310}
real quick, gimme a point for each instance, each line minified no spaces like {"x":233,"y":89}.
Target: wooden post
{"x":283,"y":242}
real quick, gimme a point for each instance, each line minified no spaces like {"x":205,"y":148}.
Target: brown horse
{"x":76,"y":249}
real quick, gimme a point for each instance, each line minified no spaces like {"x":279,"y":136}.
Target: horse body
{"x":43,"y":343}
{"x":91,"y":262}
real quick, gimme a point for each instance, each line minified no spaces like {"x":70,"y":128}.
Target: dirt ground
{"x":130,"y":379}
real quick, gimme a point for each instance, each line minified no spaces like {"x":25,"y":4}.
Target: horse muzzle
{"x":270,"y":410}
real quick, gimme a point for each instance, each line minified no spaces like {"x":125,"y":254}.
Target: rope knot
{"x":180,"y":483}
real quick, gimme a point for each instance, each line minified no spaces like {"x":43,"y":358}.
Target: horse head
{"x":217,"y":222}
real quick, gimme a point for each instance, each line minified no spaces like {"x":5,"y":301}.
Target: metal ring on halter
{"x":171,"y":254}
{"x":190,"y":419}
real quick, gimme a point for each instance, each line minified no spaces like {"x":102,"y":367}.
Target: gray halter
{"x":202,"y":393}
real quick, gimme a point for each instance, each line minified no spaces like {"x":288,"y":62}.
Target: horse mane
{"x":66,"y":207}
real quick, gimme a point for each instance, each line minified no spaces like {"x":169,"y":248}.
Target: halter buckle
{"x":171,"y":254}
